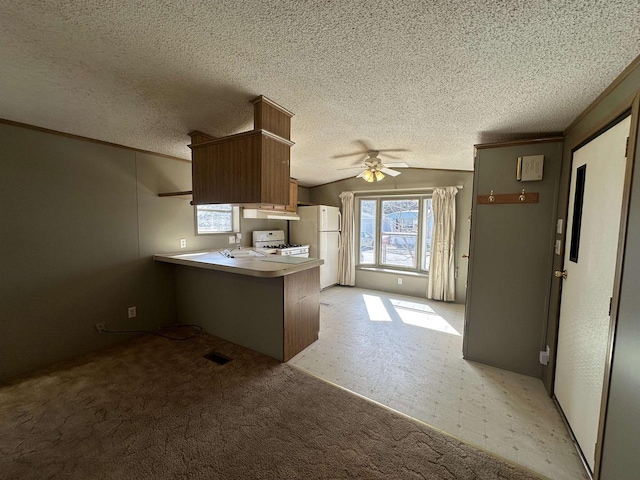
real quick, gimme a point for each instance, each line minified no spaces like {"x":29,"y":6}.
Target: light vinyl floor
{"x":406,"y":353}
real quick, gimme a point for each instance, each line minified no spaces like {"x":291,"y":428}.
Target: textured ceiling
{"x":432,"y":77}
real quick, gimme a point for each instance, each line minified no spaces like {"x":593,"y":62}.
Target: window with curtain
{"x":395,"y":232}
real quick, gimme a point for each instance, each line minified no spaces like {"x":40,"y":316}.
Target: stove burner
{"x":283,"y":245}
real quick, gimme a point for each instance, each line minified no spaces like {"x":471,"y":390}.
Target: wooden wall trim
{"x":617,"y":81}
{"x":519,"y":142}
{"x":88,"y":139}
{"x":607,"y":122}
{"x":238,"y":136}
{"x":404,"y":169}
{"x":273,"y":104}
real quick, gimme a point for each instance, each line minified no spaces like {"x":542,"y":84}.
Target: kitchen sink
{"x":245,"y":252}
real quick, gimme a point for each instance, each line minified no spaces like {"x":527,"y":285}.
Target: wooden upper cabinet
{"x":270,"y":116}
{"x":293,"y":196}
{"x":250,"y":168}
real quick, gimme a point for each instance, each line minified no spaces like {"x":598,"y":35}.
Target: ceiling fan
{"x":375,"y":169}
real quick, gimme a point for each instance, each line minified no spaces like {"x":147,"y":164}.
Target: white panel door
{"x":328,"y":244}
{"x":586,"y":292}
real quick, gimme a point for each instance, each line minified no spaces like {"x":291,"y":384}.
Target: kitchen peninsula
{"x":268,"y":304}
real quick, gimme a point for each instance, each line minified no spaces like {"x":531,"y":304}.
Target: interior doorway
{"x":591,"y":249}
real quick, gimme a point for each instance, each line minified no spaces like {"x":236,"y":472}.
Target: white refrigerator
{"x":319,"y":227}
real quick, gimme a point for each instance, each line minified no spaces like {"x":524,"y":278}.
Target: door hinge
{"x":626,"y":149}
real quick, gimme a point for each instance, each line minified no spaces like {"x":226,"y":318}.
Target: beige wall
{"x":303,"y":194}
{"x":79,"y":223}
{"x":411,"y":178}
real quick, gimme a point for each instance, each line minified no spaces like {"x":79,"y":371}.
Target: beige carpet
{"x":156,"y":409}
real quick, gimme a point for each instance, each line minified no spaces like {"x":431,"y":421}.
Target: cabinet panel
{"x":227,"y":172}
{"x":272,"y":117}
{"x":301,"y":311}
{"x":248,"y":168}
{"x":275,"y":172}
{"x":293,"y":196}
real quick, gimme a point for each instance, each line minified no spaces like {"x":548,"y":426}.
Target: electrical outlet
{"x":399,"y":280}
{"x":232,"y":239}
{"x":131,"y":311}
{"x":544,"y":356}
{"x":183,"y":243}
{"x":100,"y":327}
{"x":238,"y":236}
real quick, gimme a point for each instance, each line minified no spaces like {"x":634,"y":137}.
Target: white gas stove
{"x":273,"y":241}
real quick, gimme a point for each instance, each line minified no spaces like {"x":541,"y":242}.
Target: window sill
{"x":407,"y":273}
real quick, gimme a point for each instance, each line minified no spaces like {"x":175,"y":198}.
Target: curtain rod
{"x":390,"y":190}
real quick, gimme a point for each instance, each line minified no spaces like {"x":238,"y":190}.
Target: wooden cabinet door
{"x":293,"y":196}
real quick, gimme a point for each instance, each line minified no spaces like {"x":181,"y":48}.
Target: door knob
{"x":560,"y":274}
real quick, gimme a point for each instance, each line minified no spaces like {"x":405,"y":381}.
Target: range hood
{"x":269,"y":214}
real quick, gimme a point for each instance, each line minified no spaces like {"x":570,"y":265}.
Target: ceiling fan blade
{"x":348,"y":155}
{"x":366,"y":146}
{"x":349,"y":168}
{"x":396,"y":165}
{"x":360,"y":174}
{"x":389,"y":156}
{"x":394,"y":150}
{"x":388,"y":171}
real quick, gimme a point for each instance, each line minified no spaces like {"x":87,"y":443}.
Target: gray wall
{"x":79,"y":222}
{"x":622,"y":430}
{"x":627,"y":88}
{"x":303,"y":194}
{"x":511,"y":257}
{"x":410,"y":178}
{"x":620,"y":455}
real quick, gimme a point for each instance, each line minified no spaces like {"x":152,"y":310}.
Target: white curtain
{"x":346,"y":257}
{"x":442,"y":282}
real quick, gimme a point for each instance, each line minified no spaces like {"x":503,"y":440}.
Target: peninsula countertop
{"x":244,"y":263}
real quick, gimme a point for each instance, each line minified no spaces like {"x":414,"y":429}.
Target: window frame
{"x":235,"y":220}
{"x":420,"y":235}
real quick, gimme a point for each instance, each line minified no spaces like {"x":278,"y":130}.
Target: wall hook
{"x":491,"y":197}
{"x":522,"y":197}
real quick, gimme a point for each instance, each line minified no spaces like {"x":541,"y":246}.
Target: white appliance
{"x":273,"y":241}
{"x":319,"y":227}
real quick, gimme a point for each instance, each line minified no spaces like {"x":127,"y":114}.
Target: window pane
{"x":427,"y":233}
{"x":399,"y":232}
{"x":214,"y":218}
{"x":367,"y":231}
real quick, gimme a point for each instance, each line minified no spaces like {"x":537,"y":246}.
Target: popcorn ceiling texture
{"x":432,"y":77}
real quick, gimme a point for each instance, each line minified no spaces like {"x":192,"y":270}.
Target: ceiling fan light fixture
{"x":379,"y":175}
{"x":368,"y":176}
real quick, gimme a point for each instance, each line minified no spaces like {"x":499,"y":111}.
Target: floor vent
{"x":217,"y":358}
